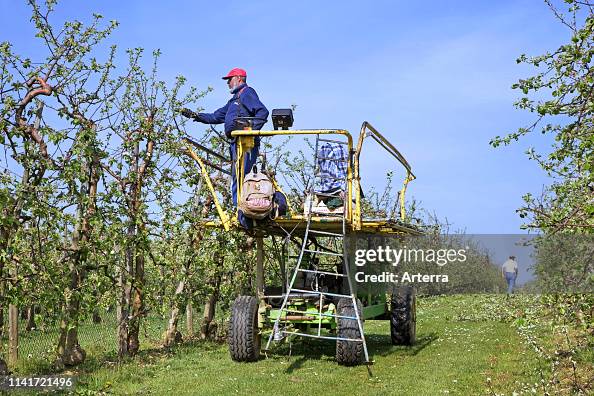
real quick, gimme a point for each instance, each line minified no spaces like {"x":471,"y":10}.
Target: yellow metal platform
{"x":295,"y":223}
{"x":296,"y":226}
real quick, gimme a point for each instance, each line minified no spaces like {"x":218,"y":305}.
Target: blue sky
{"x":434,"y":77}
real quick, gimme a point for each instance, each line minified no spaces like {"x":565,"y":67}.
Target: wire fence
{"x":37,"y":347}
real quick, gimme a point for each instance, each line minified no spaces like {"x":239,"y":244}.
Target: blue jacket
{"x":250,"y":107}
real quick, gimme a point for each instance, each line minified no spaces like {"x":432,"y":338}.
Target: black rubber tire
{"x":403,"y":319}
{"x":348,"y":353}
{"x":244,"y":337}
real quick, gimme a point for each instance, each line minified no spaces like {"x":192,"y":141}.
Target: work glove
{"x":189,"y":114}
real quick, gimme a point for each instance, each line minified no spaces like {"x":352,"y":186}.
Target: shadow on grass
{"x":296,"y":365}
{"x":382,"y":345}
{"x":377,"y":344}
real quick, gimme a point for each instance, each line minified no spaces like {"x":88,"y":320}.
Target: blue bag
{"x":280,"y":206}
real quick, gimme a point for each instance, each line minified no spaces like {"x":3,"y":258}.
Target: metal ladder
{"x":294,"y":292}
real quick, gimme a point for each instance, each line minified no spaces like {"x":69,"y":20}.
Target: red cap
{"x":235,"y":72}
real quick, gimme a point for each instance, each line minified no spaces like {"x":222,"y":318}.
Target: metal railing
{"x":246,"y":141}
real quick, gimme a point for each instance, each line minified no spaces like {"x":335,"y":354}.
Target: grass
{"x":454,"y":354}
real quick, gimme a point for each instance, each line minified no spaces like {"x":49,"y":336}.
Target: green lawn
{"x":455,"y":353}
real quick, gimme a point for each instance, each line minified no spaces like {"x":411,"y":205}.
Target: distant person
{"x":509,"y":271}
{"x":244,"y":104}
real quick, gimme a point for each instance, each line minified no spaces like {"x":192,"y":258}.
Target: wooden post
{"x":259,"y":267}
{"x":13,"y":335}
{"x":1,"y":323}
{"x":190,"y":319}
{"x":13,"y":329}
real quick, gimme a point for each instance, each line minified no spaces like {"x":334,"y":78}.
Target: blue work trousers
{"x":510,"y":277}
{"x":249,"y":161}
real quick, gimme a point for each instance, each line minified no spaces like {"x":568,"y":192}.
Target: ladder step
{"x":333,"y":141}
{"x":320,"y":252}
{"x":323,"y":293}
{"x":322,"y":272}
{"x":321,"y":194}
{"x":319,"y":314}
{"x":323,"y":337}
{"x":334,"y":234}
{"x":334,"y":159}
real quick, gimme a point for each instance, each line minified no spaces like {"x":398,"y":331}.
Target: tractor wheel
{"x":403,"y":321}
{"x":244,"y":336}
{"x":348,"y":353}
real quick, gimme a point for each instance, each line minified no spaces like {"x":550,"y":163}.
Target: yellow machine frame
{"x":245,"y":141}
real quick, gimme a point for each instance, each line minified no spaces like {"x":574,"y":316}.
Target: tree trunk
{"x":4,"y":236}
{"x":137,"y":304}
{"x":2,"y":318}
{"x":172,"y":335}
{"x":131,"y":301}
{"x":96,"y":316}
{"x":3,"y":368}
{"x":30,"y":318}
{"x":162,"y":285}
{"x":190,"y":318}
{"x":206,"y":329}
{"x":3,"y":245}
{"x":122,"y":313}
{"x":69,"y":351}
{"x":136,"y":247}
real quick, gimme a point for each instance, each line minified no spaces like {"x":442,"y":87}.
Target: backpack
{"x":257,"y":194}
{"x":279,"y":205}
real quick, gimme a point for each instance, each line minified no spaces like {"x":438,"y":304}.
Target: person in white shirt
{"x":509,"y":271}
